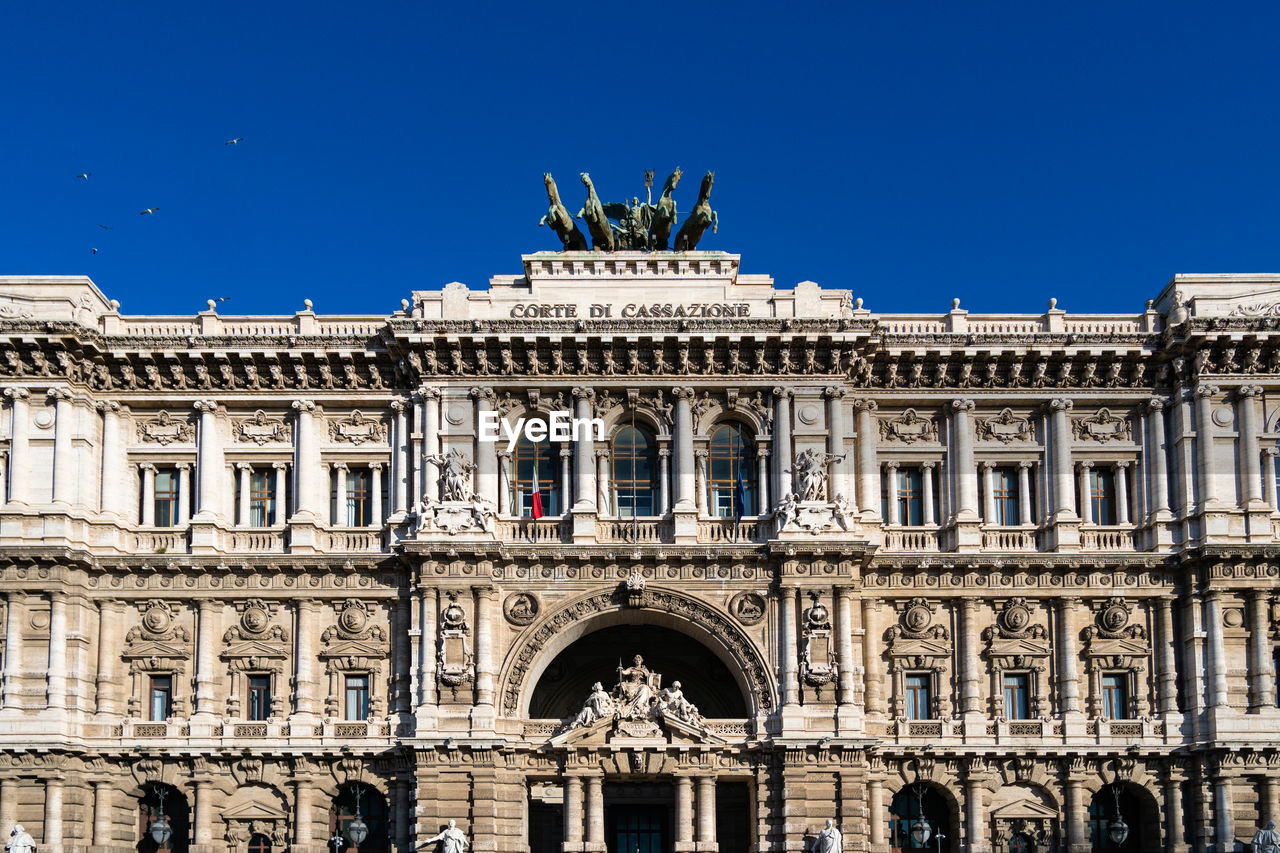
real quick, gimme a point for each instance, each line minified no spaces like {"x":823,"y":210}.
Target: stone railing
{"x":370,"y":541}
{"x":632,"y":530}
{"x":1008,"y":539}
{"x":728,"y":530}
{"x":1103,"y":324}
{"x":263,"y":541}
{"x":907,"y":324}
{"x":911,"y":539}
{"x":1107,"y":539}
{"x":161,"y":541}
{"x":529,"y":530}
{"x":208,"y":323}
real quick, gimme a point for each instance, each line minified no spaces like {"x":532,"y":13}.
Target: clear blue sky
{"x":911,"y":151}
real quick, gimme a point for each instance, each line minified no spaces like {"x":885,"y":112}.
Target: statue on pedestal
{"x":20,"y":841}
{"x":454,"y":840}
{"x":599,"y":704}
{"x":829,"y":839}
{"x":1266,"y":840}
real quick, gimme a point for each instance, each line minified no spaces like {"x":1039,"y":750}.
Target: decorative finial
{"x":857,"y":303}
{"x":1053,"y":302}
{"x":212,"y":304}
{"x":306,"y":304}
{"x":955,"y":304}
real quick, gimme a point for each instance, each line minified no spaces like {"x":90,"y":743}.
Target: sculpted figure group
{"x":638,"y":226}
{"x":638,"y":695}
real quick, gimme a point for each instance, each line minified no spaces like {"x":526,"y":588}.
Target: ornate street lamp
{"x":1117,"y":830}
{"x":357,"y":831}
{"x":922,"y":831}
{"x":161,"y":832}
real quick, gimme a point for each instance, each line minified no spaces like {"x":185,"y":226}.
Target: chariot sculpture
{"x":631,"y":225}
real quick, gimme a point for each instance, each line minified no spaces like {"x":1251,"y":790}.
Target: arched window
{"x":535,"y":461}
{"x":732,"y":484}
{"x":356,"y":799}
{"x":635,"y":473}
{"x":259,"y":844}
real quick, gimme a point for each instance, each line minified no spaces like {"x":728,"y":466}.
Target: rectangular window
{"x":1102,"y":495}
{"x":357,"y":510}
{"x":1115,"y":702}
{"x":918,"y":698}
{"x":1016,"y":696}
{"x":910,"y":497}
{"x":262,"y":502}
{"x":357,"y":697}
{"x":1004,"y":491}
{"x":161,"y":704}
{"x":259,"y":697}
{"x":166,"y":497}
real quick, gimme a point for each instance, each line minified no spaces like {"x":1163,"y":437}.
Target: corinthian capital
{"x":208,"y":406}
{"x":963,"y":405}
{"x":832,"y":391}
{"x":1204,"y":389}
{"x":478,"y":393}
{"x":304,"y":406}
{"x":865,"y":405}
{"x":780,"y":391}
{"x":1062,"y":404}
{"x":17,"y":393}
{"x":105,"y":406}
{"x":56,"y":394}
{"x":1156,"y":404}
{"x":1246,"y":391}
{"x":683,"y":392}
{"x":581,"y":392}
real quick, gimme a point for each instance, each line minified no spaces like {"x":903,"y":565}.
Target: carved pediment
{"x":354,"y":648}
{"x":1024,"y":810}
{"x":1017,"y":647}
{"x":165,"y":429}
{"x":261,"y":429}
{"x":1005,"y":427}
{"x":254,"y":811}
{"x":254,"y":649}
{"x":1102,"y":427}
{"x":909,"y":428}
{"x":357,"y":428}
{"x":1122,"y":647}
{"x":919,"y":648}
{"x":154,"y":649}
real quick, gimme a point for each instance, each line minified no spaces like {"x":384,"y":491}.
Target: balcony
{"x":912,"y":540}
{"x":1111,"y":539}
{"x":1009,"y":539}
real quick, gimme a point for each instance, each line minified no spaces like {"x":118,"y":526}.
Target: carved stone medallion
{"x":520,"y":608}
{"x":747,"y":608}
{"x":261,"y":429}
{"x":909,"y":428}
{"x":1004,"y":428}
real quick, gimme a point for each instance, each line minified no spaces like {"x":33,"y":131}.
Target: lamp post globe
{"x":1118,"y":831}
{"x":357,"y":831}
{"x":161,"y":832}
{"x":921,"y":832}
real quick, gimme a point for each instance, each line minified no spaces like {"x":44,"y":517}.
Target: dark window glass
{"x":1016,"y":700}
{"x":1114,"y":699}
{"x":635,"y":473}
{"x":161,"y":704}
{"x":731,"y":468}
{"x":259,"y":844}
{"x":1102,"y":493}
{"x":259,"y":697}
{"x":910,"y":497}
{"x":1004,"y":488}
{"x":357,"y":697}
{"x":539,"y":460}
{"x":262,"y":498}
{"x":918,"y":698}
{"x":166,"y":497}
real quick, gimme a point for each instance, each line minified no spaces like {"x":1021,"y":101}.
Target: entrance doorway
{"x":638,"y":829}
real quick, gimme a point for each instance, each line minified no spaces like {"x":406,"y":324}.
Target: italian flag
{"x":536,"y":497}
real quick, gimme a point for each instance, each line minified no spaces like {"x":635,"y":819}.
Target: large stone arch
{"x":697,"y":619}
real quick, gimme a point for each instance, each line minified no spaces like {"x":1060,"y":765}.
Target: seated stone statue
{"x":672,"y":703}
{"x":599,"y":704}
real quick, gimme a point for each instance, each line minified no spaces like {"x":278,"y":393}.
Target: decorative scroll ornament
{"x":1004,"y":428}
{"x":1113,"y":622}
{"x":818,"y":662}
{"x":520,"y":608}
{"x":261,"y":429}
{"x":638,"y":697}
{"x":165,"y":429}
{"x":1102,"y":427}
{"x":909,"y":428}
{"x":454,"y":660}
{"x":357,"y":429}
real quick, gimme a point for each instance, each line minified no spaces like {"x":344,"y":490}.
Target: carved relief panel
{"x":255,"y":645}
{"x":920,"y":643}
{"x":157,"y":646}
{"x":1016,"y":645}
{"x":354,"y":646}
{"x":455,"y":664}
{"x":1115,"y":644}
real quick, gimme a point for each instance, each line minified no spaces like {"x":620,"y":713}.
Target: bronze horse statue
{"x":593,"y":214}
{"x":702,"y":216}
{"x":560,"y":220}
{"x":664,"y":214}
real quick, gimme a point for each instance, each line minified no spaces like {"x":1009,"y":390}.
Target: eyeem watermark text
{"x":559,"y":427}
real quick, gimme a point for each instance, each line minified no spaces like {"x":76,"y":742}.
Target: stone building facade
{"x":1010,"y":577}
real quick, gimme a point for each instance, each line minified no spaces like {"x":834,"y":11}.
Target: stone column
{"x":1271,"y":798}
{"x":1262,"y":677}
{"x":427,"y":647}
{"x":148,"y":494}
{"x":1204,"y":444}
{"x":53,"y":813}
{"x":686,"y":488}
{"x":787,"y":597}
{"x":1250,"y":451}
{"x":208,"y":462}
{"x":868,"y":467}
{"x":430,"y":442}
{"x":844,"y":644}
{"x":1063,"y":495}
{"x":64,"y":469}
{"x":401,"y":471}
{"x":19,"y":446}
{"x":1086,"y":495}
{"x":484,"y":607}
{"x":782,"y":450}
{"x":15,"y":615}
{"x":311,"y":494}
{"x":1024,"y":493}
{"x":988,"y":485}
{"x":1223,"y":814}
{"x":107,"y":698}
{"x":340,"y":517}
{"x":835,"y":440}
{"x":872,"y":643}
{"x":595,"y":813}
{"x":1068,"y":657}
{"x":206,"y":655}
{"x":970,"y":700}
{"x":375,"y":495}
{"x":976,"y":812}
{"x":302,"y":812}
{"x":762,"y":479}
{"x":102,"y":813}
{"x":281,"y":491}
{"x":1077,"y":839}
{"x":602,"y":481}
{"x":584,"y":453}
{"x":926,"y":493}
{"x":56,"y":683}
{"x":684,"y":814}
{"x":304,"y":627}
{"x":1122,"y":493}
{"x":1217,"y":659}
{"x":664,"y":480}
{"x":504,"y":483}
{"x":485,"y":452}
{"x":573,"y":814}
{"x":566,"y":480}
{"x":184,"y":493}
{"x":1158,"y":458}
{"x":891,"y":502}
{"x":9,"y":802}
{"x":876,"y":816}
{"x":1168,"y":684}
{"x":203,"y":824}
{"x":243,"y":472}
{"x":707,"y":814}
{"x":1269,"y":477}
{"x":113,"y":458}
{"x":1175,"y":838}
{"x":966,"y":470}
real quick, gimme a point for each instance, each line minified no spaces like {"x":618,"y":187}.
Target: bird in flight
{"x":222,"y":298}
{"x":95,"y":251}
{"x":235,"y":141}
{"x":84,"y":175}
{"x":104,"y":227}
{"x":148,"y":211}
